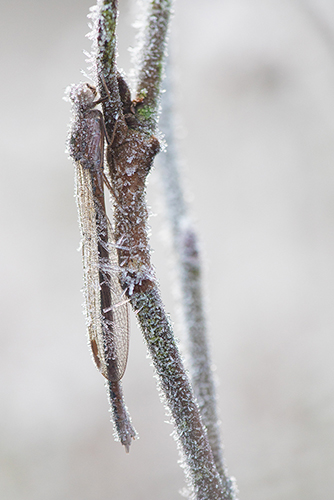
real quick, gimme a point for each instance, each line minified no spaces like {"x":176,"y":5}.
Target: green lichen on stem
{"x":145,"y":113}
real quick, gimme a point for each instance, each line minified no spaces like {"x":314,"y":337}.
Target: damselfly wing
{"x":106,"y":308}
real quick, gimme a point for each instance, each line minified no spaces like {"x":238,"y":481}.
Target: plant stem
{"x":190,"y":276}
{"x":197,"y":455}
{"x":151,"y":65}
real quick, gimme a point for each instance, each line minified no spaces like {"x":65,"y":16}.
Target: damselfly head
{"x":82,"y":96}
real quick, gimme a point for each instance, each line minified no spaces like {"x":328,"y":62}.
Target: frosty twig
{"x":151,"y":65}
{"x":190,"y":276}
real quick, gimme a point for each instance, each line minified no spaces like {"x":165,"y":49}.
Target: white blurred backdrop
{"x":255,"y":97}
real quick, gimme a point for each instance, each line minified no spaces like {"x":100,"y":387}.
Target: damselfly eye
{"x":92,"y":88}
{"x":82,"y":96}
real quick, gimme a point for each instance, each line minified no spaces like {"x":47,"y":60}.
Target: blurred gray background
{"x":254,"y":83}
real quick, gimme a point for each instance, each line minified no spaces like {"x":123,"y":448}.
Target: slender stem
{"x":151,"y":64}
{"x":190,"y":275}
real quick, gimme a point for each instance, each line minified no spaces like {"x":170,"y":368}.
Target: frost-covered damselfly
{"x":106,"y":307}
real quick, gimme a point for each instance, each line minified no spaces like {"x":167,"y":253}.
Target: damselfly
{"x":106,"y":307}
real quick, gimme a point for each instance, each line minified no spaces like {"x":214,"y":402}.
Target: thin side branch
{"x":152,"y":62}
{"x":190,"y":275}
